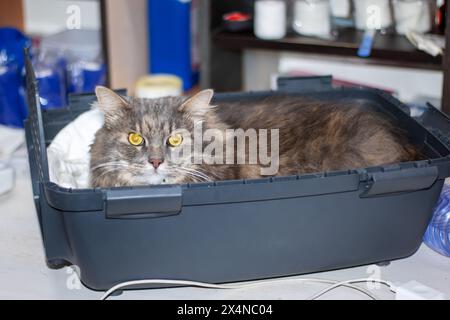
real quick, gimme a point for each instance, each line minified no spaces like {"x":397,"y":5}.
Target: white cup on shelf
{"x":270,"y":19}
{"x":412,"y":15}
{"x":340,"y":8}
{"x":372,"y":14}
{"x":312,"y":17}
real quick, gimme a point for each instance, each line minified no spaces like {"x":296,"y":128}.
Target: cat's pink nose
{"x":156,"y":162}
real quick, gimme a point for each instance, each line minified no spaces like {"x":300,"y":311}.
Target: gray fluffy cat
{"x":140,"y":138}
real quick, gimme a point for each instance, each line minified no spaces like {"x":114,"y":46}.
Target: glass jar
{"x":312,"y":17}
{"x":372,"y":14}
{"x":340,"y":8}
{"x":412,"y":15}
{"x":270,"y":19}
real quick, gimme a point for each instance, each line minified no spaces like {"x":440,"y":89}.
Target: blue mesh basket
{"x":437,"y":236}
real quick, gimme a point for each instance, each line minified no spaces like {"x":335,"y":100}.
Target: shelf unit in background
{"x":387,"y":49}
{"x":222,"y":51}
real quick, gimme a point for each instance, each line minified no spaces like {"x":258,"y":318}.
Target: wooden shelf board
{"x":388,"y":49}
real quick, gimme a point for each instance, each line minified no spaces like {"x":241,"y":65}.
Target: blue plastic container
{"x":171,"y":48}
{"x":52,"y":88}
{"x":12,"y":105}
{"x":84,"y":76}
{"x":437,"y":236}
{"x":240,"y":230}
{"x":12,"y":42}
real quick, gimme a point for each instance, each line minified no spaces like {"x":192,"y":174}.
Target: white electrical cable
{"x":344,"y":283}
{"x":335,"y":284}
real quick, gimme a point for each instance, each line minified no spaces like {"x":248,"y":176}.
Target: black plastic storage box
{"x":240,"y":230}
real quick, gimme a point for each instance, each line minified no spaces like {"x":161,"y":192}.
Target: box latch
{"x":304,"y":84}
{"x":143,"y":202}
{"x":400,"y":181}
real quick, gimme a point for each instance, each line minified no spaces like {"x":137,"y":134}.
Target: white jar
{"x":340,"y":8}
{"x":372,"y":14}
{"x":158,"y":85}
{"x":412,"y":15}
{"x":312,"y":17}
{"x":270,"y":19}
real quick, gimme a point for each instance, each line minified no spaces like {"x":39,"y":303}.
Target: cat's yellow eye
{"x":175,"y":140}
{"x":135,"y":139}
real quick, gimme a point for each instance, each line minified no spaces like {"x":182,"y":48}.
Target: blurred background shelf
{"x":232,"y":61}
{"x":387,"y":49}
{"x":239,"y":61}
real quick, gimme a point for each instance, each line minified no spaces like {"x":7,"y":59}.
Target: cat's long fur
{"x":314,"y":136}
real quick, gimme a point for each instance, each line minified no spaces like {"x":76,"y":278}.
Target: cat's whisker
{"x":117,"y":165}
{"x":106,"y":172}
{"x":117,"y":169}
{"x":195,"y":176}
{"x":109,"y":164}
{"x":205,"y":173}
{"x":194,"y":172}
{"x":209,"y":173}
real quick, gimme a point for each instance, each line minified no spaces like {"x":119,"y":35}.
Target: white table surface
{"x":24,"y":274}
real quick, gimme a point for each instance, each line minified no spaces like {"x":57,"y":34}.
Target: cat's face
{"x":147,"y":141}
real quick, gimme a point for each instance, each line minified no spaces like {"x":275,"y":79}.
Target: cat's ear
{"x":111,"y":104}
{"x":198,"y":105}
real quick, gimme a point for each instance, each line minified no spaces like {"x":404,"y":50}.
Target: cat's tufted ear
{"x":111,"y":104}
{"x":198,"y":105}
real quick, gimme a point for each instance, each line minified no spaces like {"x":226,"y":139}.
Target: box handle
{"x":304,"y":84}
{"x":400,"y":181}
{"x":148,"y":202}
{"x":436,"y":119}
{"x":437,"y":123}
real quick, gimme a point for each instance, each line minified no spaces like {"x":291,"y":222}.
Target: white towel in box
{"x":68,"y":154}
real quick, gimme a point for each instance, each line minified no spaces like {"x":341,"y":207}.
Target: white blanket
{"x":68,"y":154}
